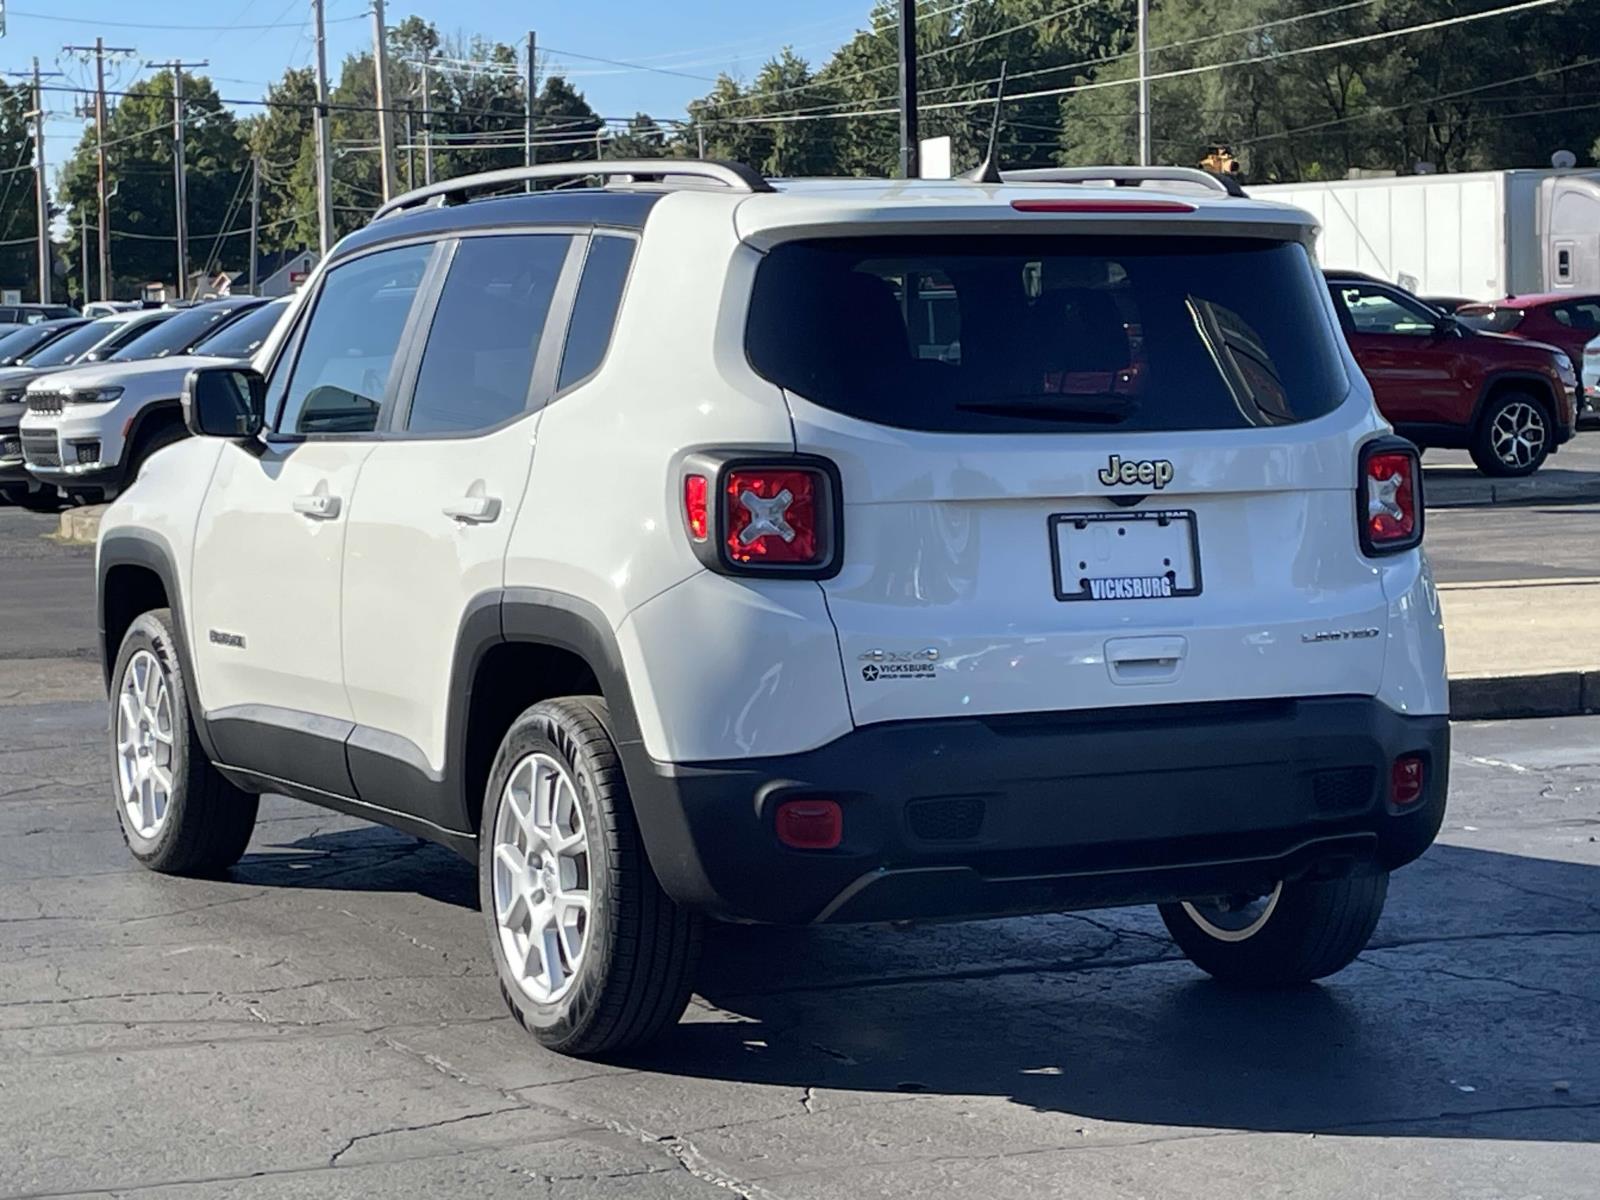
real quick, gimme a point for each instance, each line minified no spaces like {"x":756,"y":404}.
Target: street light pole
{"x":380,"y":62}
{"x":909,"y":146}
{"x":1144,"y":83}
{"x":180,"y":170}
{"x":324,"y":137}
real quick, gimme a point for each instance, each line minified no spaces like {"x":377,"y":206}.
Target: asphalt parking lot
{"x":324,"y":1021}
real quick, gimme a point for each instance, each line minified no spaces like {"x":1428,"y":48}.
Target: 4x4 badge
{"x":1147,"y":471}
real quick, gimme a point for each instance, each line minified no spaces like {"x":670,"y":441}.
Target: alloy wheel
{"x":542,"y":882}
{"x":145,"y":744}
{"x":1518,"y":434}
{"x":1234,"y":918}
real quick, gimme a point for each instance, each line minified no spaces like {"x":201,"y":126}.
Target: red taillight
{"x":1102,"y":206}
{"x":1407,"y":779}
{"x":810,"y":824}
{"x":1391,"y":498}
{"x":772,"y":516}
{"x":696,"y":512}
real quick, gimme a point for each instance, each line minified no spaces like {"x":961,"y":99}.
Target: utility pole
{"x":179,"y":169}
{"x":83,"y":252}
{"x":427,"y":119}
{"x":100,"y":50}
{"x":700,"y":138}
{"x":909,"y":149}
{"x":380,"y":60}
{"x":324,"y":137}
{"x":255,"y":219}
{"x":411,"y":151}
{"x":1144,"y":83}
{"x":531,"y":93}
{"x":40,"y":184}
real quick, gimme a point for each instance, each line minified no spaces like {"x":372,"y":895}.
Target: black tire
{"x":43,"y":500}
{"x":1496,"y":452}
{"x":78,"y":497}
{"x":207,"y":821}
{"x":1311,"y":931}
{"x":633,"y":977}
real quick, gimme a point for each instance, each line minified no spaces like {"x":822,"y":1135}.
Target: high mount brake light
{"x":1389,"y":497}
{"x":778,"y":516}
{"x":1103,"y":206}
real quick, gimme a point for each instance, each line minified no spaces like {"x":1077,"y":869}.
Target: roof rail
{"x":1127,"y":177}
{"x":734,"y":176}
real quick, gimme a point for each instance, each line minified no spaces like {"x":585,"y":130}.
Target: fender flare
{"x":149,"y":550}
{"x":1494,"y":379}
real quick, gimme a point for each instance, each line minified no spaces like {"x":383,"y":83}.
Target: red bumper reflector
{"x":1102,"y":206}
{"x":1407,"y":780}
{"x":810,"y":824}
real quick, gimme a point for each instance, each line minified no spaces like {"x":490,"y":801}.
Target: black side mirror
{"x":226,"y":402}
{"x":1447,"y":326}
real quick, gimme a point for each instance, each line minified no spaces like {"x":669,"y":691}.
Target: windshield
{"x":64,"y":350}
{"x":243,"y":337}
{"x":1488,"y":319}
{"x":176,"y":334}
{"x":996,"y":334}
{"x":22,"y":342}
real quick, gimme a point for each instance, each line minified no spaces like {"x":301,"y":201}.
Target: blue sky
{"x":694,"y":37}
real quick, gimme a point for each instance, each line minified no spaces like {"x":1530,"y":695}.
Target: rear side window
{"x":1000,"y":334}
{"x":1582,"y":315}
{"x":594,"y":313}
{"x":478,"y":363}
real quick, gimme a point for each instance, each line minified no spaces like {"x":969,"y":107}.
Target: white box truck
{"x":1477,"y":235}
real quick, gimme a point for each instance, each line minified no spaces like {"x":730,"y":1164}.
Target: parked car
{"x":1591,"y":373}
{"x":90,"y":429}
{"x":1557,"y":318}
{"x":32,"y":314}
{"x":823,"y":624}
{"x":92,"y":341}
{"x":105,"y":308}
{"x":1440,"y":382}
{"x":26,"y":339}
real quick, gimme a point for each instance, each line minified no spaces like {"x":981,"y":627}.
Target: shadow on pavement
{"x":1460,"y":1003}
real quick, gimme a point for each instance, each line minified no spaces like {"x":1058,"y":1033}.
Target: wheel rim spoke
{"x":540,"y":863}
{"x":145,"y":742}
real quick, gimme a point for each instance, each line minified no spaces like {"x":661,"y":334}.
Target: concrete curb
{"x":81,"y":526}
{"x":1506,"y":697}
{"x":1475,"y":491}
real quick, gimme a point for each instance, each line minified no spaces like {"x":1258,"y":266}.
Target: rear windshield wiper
{"x":1108,"y":412}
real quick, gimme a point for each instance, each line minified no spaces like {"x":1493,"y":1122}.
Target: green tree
{"x":139,"y":165}
{"x":278,"y":137}
{"x":643,"y":138}
{"x":19,"y":252}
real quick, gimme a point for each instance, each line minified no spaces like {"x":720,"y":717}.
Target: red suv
{"x":1559,"y":318}
{"x":1441,"y":382}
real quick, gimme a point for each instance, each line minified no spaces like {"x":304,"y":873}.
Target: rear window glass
{"x":996,"y":334}
{"x":1490,"y":320}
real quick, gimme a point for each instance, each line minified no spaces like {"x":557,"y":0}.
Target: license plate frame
{"x":1160,"y":518}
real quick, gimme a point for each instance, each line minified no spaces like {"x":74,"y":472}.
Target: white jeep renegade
{"x":816,"y":551}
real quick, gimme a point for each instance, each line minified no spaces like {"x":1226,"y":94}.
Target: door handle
{"x":474,"y":510}
{"x":319,"y":506}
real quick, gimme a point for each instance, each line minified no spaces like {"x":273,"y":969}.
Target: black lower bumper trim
{"x":961,"y":818}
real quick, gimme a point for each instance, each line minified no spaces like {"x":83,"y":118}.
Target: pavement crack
{"x":1424,"y":969}
{"x":333,"y":1159}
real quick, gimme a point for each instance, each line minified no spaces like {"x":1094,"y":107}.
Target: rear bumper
{"x":950,"y":819}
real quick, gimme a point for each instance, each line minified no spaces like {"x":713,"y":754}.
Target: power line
{"x":1096,"y":85}
{"x":149,"y":25}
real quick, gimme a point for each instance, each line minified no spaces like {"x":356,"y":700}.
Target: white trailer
{"x":1478,"y":235}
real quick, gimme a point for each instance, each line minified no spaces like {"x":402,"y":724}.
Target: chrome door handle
{"x":319,"y":506}
{"x":474,"y":510}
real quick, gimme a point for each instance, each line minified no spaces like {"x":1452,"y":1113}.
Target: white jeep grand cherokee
{"x":797,"y":552}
